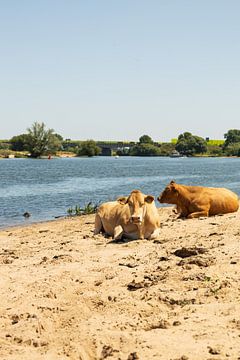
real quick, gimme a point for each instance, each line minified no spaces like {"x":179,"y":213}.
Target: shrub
{"x":88,"y":148}
{"x":88,"y":209}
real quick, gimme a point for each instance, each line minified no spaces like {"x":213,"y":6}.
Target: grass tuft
{"x":88,"y":209}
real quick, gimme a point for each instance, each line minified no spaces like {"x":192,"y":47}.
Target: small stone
{"x":133,"y":356}
{"x":43,"y":343}
{"x":214,"y":350}
{"x":26,"y":214}
{"x":106,"y":351}
{"x":98,"y":282}
{"x":28,"y":342}
{"x":177,"y":323}
{"x":17,"y":340}
{"x":15,"y":319}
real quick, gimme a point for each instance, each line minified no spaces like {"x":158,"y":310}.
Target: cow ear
{"x":173,"y":187}
{"x":149,"y":199}
{"x":122,"y":200}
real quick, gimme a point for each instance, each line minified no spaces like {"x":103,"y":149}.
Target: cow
{"x":134,"y":217}
{"x":195,"y":201}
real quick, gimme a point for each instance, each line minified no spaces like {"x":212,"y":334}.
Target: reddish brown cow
{"x":195,"y":201}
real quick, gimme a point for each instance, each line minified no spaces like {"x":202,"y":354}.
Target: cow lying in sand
{"x":195,"y":201}
{"x":135,"y":217}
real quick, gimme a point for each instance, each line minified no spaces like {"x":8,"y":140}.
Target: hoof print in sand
{"x":188,"y":252}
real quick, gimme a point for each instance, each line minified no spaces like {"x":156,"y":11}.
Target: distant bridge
{"x":108,"y":147}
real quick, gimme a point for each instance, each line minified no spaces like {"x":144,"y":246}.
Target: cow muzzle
{"x":136,"y":219}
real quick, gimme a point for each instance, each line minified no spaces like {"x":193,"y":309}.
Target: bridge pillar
{"x":106,"y":151}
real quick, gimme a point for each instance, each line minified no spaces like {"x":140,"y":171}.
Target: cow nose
{"x":136,"y":218}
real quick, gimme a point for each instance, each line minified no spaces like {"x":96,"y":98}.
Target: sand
{"x":67,"y":294}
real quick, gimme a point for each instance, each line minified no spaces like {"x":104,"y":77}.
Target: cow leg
{"x":182,"y":216}
{"x":118,"y":232}
{"x":154,"y":234}
{"x":98,"y":225}
{"x":182,"y":212}
{"x":141,"y":232}
{"x":197,"y":214}
{"x":177,"y":209}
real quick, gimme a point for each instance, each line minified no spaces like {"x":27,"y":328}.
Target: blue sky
{"x":114,"y":70}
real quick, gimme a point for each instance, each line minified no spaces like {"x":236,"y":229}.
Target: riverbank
{"x":61,"y":154}
{"x":67,"y":294}
{"x":10,"y":154}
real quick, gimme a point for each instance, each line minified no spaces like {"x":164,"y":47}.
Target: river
{"x":47,"y":188}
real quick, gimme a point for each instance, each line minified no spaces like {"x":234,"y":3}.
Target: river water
{"x":47,"y":188}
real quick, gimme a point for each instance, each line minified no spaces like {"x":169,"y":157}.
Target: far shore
{"x":73,"y":155}
{"x":67,"y":294}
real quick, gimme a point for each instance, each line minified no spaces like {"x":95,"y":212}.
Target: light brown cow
{"x":195,"y":201}
{"x":135,"y":217}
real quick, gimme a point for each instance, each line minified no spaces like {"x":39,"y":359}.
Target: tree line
{"x":39,"y":140}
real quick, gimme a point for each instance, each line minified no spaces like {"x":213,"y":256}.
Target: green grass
{"x":88,"y":209}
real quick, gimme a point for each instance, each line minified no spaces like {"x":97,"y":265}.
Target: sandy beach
{"x":67,"y":294}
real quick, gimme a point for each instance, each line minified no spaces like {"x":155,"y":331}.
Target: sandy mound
{"x":66,"y":294}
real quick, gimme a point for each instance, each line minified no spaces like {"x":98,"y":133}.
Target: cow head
{"x":137,"y":203}
{"x":169,"y":194}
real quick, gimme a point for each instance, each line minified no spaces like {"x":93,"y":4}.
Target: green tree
{"x":144,"y":149}
{"x":145,"y":139}
{"x":5,"y":145}
{"x":60,"y":138}
{"x":125,"y":151}
{"x":214,"y":150}
{"x":189,"y":144}
{"x":71,"y":145}
{"x":88,"y":148}
{"x":41,"y":141}
{"x":233,"y":149}
{"x":231,"y":137}
{"x":166,"y":149}
{"x":19,"y":142}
